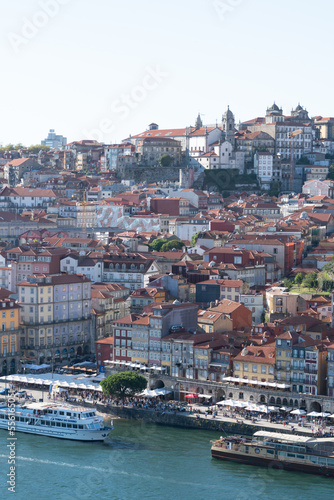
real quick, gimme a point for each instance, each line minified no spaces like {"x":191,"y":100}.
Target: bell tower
{"x":229,"y":126}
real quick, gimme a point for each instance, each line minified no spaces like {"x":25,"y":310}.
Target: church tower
{"x":229,"y":126}
{"x":199,"y":122}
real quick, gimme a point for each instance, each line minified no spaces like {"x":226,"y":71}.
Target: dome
{"x":304,"y":215}
{"x":273,"y":109}
{"x":228,"y":114}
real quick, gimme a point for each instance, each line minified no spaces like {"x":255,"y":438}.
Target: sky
{"x":106,"y":69}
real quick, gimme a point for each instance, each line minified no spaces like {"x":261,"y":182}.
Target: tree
{"x":123,"y":384}
{"x":156,"y":244}
{"x":165,"y":161}
{"x":35,"y":149}
{"x":275,"y":188}
{"x":287,"y":283}
{"x":166,"y":247}
{"x":299,"y":278}
{"x":310,"y":281}
{"x":194,"y":238}
{"x":303,"y":161}
{"x":331,"y":172}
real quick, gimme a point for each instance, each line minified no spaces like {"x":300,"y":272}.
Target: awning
{"x":256,"y":382}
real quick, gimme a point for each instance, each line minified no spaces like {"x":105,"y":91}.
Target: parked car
{"x":5,"y":392}
{"x":21,"y":394}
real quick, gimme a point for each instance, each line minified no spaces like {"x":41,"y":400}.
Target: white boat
{"x":54,"y":420}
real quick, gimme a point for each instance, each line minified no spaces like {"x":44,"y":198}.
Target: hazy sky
{"x":105,"y":69}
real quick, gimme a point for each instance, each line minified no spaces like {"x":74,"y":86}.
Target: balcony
{"x":312,"y":370}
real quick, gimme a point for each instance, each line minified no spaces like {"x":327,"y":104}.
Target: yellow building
{"x":9,"y":336}
{"x":210,"y":321}
{"x":255,"y":363}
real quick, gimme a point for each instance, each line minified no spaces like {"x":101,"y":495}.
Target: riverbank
{"x":198,"y":421}
{"x":197,"y":418}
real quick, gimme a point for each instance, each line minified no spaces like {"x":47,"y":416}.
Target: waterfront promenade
{"x":196,"y":416}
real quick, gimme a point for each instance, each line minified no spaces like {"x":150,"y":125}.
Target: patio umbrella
{"x":285,"y":408}
{"x":191,"y":396}
{"x":228,"y":402}
{"x":298,"y":412}
{"x":240,"y":404}
{"x":323,"y":414}
{"x":65,"y":384}
{"x":313,"y":414}
{"x":272,"y":408}
{"x":263,"y":409}
{"x":251,"y":407}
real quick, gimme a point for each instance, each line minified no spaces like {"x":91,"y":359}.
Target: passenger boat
{"x":54,"y":420}
{"x":277,"y":450}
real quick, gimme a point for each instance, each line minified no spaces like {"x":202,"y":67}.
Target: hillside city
{"x":204,"y":253}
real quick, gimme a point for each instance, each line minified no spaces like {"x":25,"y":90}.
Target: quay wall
{"x":184,"y":421}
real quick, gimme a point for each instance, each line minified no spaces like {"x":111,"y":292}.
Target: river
{"x":144,"y":461}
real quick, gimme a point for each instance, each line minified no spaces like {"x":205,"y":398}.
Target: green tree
{"x":275,"y":188}
{"x":165,"y":160}
{"x":37,"y":148}
{"x":331,"y":172}
{"x":194,"y":238}
{"x":156,"y":244}
{"x":310,"y":280}
{"x":123,"y":384}
{"x":288,"y":283}
{"x":299,"y":278}
{"x":166,"y":247}
{"x":303,"y":161}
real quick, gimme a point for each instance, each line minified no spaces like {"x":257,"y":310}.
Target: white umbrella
{"x":285,"y":408}
{"x":228,"y":402}
{"x":298,"y":412}
{"x":251,"y":407}
{"x":65,"y":384}
{"x":240,"y":404}
{"x":148,"y":393}
{"x":263,"y":409}
{"x":272,"y":408}
{"x":323,"y":414}
{"x":313,"y":414}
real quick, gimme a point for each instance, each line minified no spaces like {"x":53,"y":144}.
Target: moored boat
{"x":54,"y":420}
{"x":278,"y":450}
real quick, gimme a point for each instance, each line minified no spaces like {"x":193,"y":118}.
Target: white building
{"x":253,"y":302}
{"x":90,"y":267}
{"x":263,"y":164}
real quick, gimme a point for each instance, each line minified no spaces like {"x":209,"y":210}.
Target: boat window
{"x":81,"y":426}
{"x":271,"y":452}
{"x":68,"y":413}
{"x":61,"y":413}
{"x":69,"y":426}
{"x":53,"y":423}
{"x":48,"y":422}
{"x":75,"y":426}
{"x":58,"y":424}
{"x":42,"y":422}
{"x":291,"y":455}
{"x":63,"y":425}
{"x":2,"y":416}
{"x":21,"y":419}
{"x":300,"y":456}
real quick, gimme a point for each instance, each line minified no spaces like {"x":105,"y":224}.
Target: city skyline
{"x":108,"y":72}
